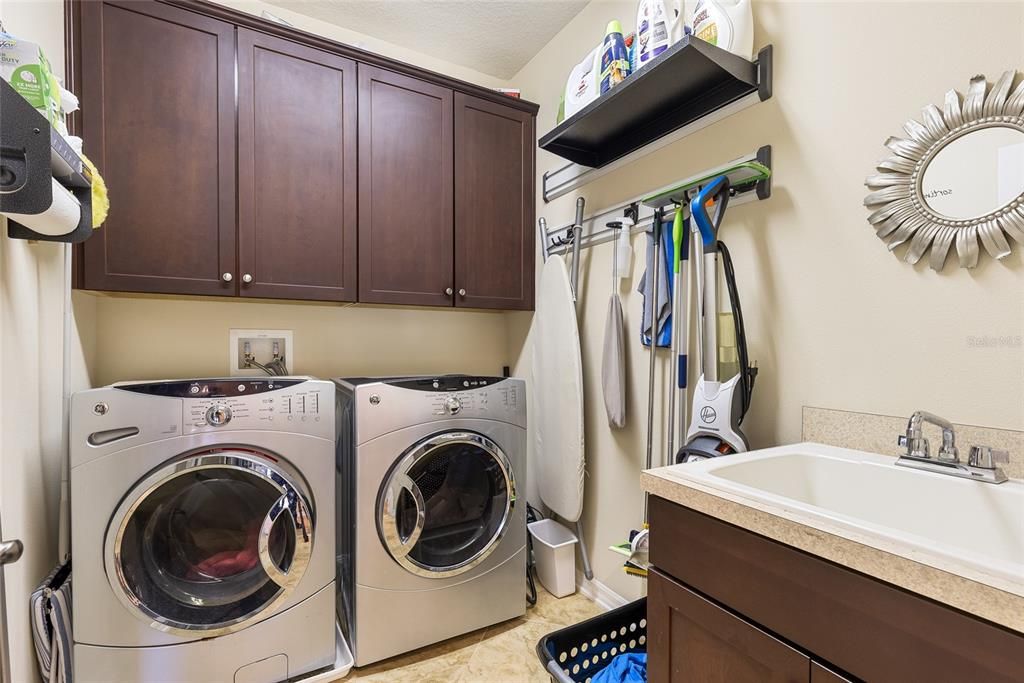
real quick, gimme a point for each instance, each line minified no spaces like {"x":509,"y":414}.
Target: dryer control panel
{"x":495,"y":402}
{"x":389,"y":404}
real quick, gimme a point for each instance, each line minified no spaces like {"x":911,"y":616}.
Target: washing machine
{"x":202,"y":530}
{"x":431,"y":536}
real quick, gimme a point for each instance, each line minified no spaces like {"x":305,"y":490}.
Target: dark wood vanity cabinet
{"x":727,"y":605}
{"x":693,"y":639}
{"x":244,"y":158}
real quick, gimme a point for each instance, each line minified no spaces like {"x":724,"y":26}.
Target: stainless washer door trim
{"x":236,"y":458}
{"x":423,"y":449}
{"x":292,"y":503}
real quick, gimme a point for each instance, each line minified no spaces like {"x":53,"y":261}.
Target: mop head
{"x":634,"y":570}
{"x":629,"y":550}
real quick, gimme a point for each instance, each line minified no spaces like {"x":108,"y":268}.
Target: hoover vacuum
{"x":718,"y":406}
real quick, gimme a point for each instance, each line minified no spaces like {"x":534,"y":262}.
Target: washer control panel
{"x":291,"y":405}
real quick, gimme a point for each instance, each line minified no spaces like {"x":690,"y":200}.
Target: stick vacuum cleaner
{"x":718,"y":407}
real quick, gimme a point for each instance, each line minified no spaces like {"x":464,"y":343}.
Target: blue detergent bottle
{"x":614,"y":57}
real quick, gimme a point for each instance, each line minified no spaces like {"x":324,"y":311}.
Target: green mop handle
{"x":679,"y":244}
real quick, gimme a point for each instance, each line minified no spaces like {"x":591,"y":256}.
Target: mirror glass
{"x":976,"y":173}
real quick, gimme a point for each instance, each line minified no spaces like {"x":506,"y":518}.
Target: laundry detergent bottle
{"x":656,"y":29}
{"x":729,"y":24}
{"x":614,"y":58}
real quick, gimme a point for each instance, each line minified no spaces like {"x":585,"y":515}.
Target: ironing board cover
{"x":557,"y":416}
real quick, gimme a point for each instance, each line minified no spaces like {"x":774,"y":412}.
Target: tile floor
{"x":504,"y":653}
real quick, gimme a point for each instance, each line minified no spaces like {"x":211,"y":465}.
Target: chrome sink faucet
{"x":917,"y":445}
{"x":982,"y":463}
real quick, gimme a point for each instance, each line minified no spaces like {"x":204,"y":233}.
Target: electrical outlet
{"x":261,"y":344}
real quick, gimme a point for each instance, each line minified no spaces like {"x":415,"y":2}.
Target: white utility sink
{"x":968,"y":527}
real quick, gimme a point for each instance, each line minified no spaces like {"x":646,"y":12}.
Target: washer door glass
{"x":212,"y":542}
{"x":446,"y":504}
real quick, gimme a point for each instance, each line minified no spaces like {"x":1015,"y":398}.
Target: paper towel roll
{"x":61,"y":218}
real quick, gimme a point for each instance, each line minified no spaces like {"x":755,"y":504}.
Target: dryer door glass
{"x":211,"y":542}
{"x":447,"y":504}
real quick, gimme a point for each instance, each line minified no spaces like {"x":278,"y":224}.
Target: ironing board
{"x":557,"y":417}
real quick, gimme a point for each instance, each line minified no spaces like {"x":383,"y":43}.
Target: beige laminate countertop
{"x":814,"y":536}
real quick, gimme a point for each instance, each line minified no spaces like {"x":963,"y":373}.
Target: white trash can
{"x":554,"y":548}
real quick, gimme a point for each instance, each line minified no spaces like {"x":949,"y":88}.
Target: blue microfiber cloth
{"x":627,"y":668}
{"x":665,"y":284}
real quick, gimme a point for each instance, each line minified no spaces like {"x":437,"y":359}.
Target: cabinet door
{"x":693,"y":639}
{"x":296,"y":171}
{"x":405,"y":190}
{"x":494,"y":205}
{"x":158,"y":115}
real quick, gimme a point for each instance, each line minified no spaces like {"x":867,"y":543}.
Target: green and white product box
{"x":25,"y":67}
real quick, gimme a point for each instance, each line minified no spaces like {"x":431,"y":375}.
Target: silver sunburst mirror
{"x":957,"y":178}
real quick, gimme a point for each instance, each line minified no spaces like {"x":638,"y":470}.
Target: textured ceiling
{"x":495,"y":37}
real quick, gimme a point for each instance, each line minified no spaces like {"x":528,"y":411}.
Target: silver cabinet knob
{"x":227,"y":277}
{"x":246,"y":278}
{"x":462,"y":292}
{"x":448,"y":292}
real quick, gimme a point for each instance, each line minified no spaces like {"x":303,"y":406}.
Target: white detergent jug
{"x":584,"y":84}
{"x":659,"y":24}
{"x":677,"y":23}
{"x":729,"y":24}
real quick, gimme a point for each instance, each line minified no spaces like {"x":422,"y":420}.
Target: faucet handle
{"x":984,"y":457}
{"x":949,"y":453}
{"x":917,"y":447}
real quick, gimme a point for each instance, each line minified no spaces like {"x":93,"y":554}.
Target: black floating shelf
{"x":689,"y":81}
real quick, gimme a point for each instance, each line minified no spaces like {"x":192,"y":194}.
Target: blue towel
{"x":627,"y":668}
{"x":665,"y":284}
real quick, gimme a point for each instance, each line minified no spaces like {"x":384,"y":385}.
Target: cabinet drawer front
{"x":296,"y":170}
{"x":406,"y":187}
{"x":158,"y":115}
{"x":494,"y":204}
{"x":868,"y":628}
{"x":693,"y":639}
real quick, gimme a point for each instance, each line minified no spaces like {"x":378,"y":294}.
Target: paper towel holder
{"x":32,"y":155}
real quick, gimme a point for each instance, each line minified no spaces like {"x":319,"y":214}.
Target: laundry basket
{"x":576,"y":653}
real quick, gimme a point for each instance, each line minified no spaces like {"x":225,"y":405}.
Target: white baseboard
{"x":599,"y":592}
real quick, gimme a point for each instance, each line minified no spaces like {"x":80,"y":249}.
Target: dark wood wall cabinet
{"x":727,"y":605}
{"x":245,"y":158}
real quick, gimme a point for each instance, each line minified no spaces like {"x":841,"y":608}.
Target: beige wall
{"x":833,"y":319}
{"x":32,"y":287}
{"x":152,"y":338}
{"x":365,"y":42}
